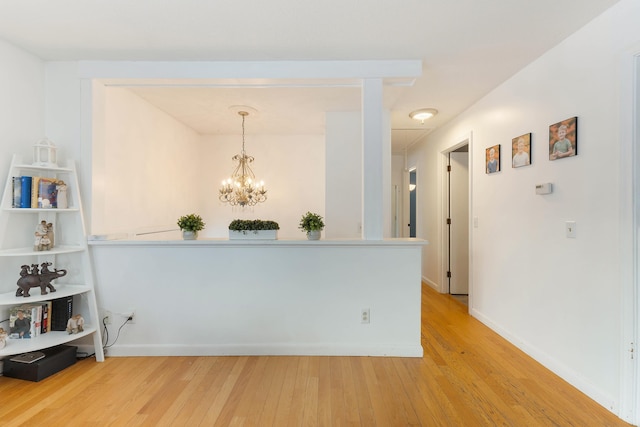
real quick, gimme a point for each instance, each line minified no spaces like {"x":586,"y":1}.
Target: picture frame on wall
{"x":563,"y":139}
{"x":492,"y":159}
{"x":521,"y":151}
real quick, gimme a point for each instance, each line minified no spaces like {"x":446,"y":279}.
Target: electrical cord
{"x":104,"y":323}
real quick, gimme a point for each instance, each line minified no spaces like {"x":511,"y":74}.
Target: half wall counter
{"x":261,"y":297}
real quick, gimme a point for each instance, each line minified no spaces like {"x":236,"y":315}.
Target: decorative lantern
{"x":44,"y":153}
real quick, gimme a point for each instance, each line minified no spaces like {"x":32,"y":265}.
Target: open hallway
{"x":469,"y":376}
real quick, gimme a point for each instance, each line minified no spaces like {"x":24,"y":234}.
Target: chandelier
{"x":242,"y":188}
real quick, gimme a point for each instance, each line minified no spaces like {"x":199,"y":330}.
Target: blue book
{"x":25,"y":195}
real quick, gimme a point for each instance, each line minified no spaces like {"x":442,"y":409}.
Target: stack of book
{"x":35,"y":192}
{"x":34,"y":319}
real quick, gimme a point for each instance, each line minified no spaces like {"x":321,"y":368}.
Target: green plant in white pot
{"x":312,"y":224}
{"x":253,"y":229}
{"x":190,"y":225}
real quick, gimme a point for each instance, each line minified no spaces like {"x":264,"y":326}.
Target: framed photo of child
{"x":563,"y":139}
{"x":521,"y":151}
{"x":492,"y":159}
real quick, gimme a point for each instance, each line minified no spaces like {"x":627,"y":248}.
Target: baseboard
{"x":391,"y":350}
{"x":432,"y":284}
{"x":560,"y":369}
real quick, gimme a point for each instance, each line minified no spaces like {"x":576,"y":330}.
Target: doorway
{"x":456,"y":212}
{"x":412,"y":202}
{"x":458,"y":221}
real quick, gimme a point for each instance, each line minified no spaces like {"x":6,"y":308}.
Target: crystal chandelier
{"x":242,"y":189}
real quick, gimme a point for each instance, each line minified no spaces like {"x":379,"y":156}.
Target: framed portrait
{"x":563,"y":139}
{"x":521,"y":151}
{"x":492,"y":159}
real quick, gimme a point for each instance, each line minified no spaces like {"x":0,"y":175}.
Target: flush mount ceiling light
{"x":423,"y":114}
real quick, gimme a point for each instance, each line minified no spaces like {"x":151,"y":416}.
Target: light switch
{"x":571,"y":229}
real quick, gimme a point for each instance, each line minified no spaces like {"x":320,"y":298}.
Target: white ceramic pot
{"x":189,"y":235}
{"x":314,"y":234}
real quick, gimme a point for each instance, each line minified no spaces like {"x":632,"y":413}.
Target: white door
{"x":459,"y":228}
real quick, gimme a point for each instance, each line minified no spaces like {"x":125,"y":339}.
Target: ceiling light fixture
{"x":423,"y":114}
{"x":242,"y":188}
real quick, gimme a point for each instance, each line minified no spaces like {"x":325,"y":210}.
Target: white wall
{"x":221,"y":297}
{"x":559,"y":299}
{"x":146,"y":167}
{"x":22,"y":85}
{"x":21,"y":104}
{"x":344,"y":177}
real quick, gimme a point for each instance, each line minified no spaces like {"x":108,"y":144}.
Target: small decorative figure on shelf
{"x":37,"y":278}
{"x":44,"y":236}
{"x":50,"y":234}
{"x":75,"y":324}
{"x":3,"y":338}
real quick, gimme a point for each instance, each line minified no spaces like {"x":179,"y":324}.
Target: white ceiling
{"x":468,"y":47}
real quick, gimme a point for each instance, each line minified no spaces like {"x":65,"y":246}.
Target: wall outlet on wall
{"x":365,"y":316}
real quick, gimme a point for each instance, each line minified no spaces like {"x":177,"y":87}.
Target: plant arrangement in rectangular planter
{"x":253,"y":229}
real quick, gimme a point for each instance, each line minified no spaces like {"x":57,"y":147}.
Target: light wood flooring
{"x":469,"y":376}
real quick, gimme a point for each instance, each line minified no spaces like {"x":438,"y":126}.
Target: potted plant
{"x":253,"y":229}
{"x":312,"y":224}
{"x":190,"y":225}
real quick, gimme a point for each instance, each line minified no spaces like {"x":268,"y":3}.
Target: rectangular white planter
{"x":253,"y":235}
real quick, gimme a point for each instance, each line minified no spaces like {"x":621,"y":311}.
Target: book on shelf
{"x":16,"y":191}
{"x":21,"y":192}
{"x":46,"y":317}
{"x":61,"y":312}
{"x":34,"y":191}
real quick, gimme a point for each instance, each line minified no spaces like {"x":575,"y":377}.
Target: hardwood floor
{"x":469,"y":376}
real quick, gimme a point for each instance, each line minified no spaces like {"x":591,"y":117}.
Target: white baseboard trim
{"x":431,"y":284}
{"x":391,"y":350}
{"x":560,"y":369}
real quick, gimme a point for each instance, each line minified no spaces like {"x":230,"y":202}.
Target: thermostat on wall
{"x":546,"y":188}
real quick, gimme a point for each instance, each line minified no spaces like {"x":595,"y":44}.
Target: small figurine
{"x":44,"y":236}
{"x":37,"y":277}
{"x":50,"y":234}
{"x":75,"y":324}
{"x":3,"y":338}
{"x":41,"y":231}
{"x":61,"y":189}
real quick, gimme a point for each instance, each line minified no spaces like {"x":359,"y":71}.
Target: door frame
{"x":630,"y":240}
{"x":444,"y":249}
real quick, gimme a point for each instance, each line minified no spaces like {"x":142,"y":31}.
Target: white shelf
{"x":50,"y":339}
{"x":15,"y":229}
{"x":62,"y":291}
{"x":30,"y":252}
{"x":57,"y":169}
{"x":40,"y":210}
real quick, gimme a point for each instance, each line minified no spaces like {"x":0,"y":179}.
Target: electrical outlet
{"x":107,"y":317}
{"x":132,"y":314}
{"x":365,"y":316}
